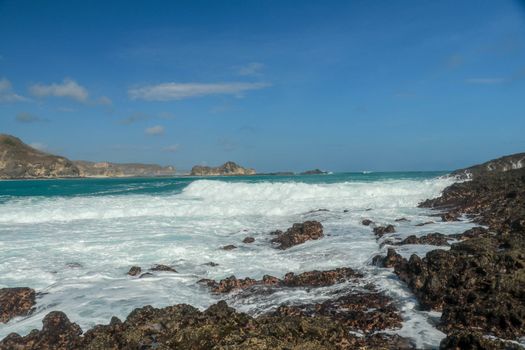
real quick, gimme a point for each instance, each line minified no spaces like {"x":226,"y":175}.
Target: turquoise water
{"x":160,"y":185}
{"x":74,"y":240}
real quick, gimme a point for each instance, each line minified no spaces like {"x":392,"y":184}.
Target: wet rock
{"x":402,"y":220}
{"x":229,"y":247}
{"x":451,"y":216}
{"x":391,"y":259}
{"x":219,"y":327}
{"x":306,"y":279}
{"x":475,"y":340}
{"x":74,"y":265}
{"x":57,"y":333}
{"x":248,"y":240}
{"x":164,"y":268}
{"x":135,"y":271}
{"x":367,"y":222}
{"x":380,"y":231}
{"x":471,"y":233}
{"x":146,"y":274}
{"x":435,"y":238}
{"x":424,"y":223}
{"x":319,"y":278}
{"x":16,"y":302}
{"x":211,"y":263}
{"x":298,"y":234}
{"x":346,"y":211}
{"x":228,"y":284}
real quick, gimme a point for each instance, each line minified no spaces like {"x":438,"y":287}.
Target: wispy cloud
{"x":104,"y":101}
{"x":67,"y":88}
{"x":140,"y":116}
{"x":485,"y":81}
{"x":28,"y":118}
{"x":171,"y":149}
{"x":155,"y":130}
{"x":7,"y":94}
{"x":179,"y":91}
{"x":251,"y":69}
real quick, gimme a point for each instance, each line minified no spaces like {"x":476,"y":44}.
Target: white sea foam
{"x":108,"y":234}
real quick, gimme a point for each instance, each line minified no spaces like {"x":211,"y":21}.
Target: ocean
{"x":74,"y":240}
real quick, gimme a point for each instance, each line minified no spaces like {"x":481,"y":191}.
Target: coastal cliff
{"x":106,"y":169}
{"x":21,"y":161}
{"x":502,"y":164}
{"x":228,"y":168}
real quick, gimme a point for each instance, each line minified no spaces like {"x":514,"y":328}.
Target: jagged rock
{"x":390,"y":260}
{"x":425,"y":223}
{"x":218,"y":327}
{"x":248,"y":240}
{"x":475,"y":340}
{"x":134,"y":270}
{"x":306,"y":279}
{"x":228,"y":168}
{"x":298,"y":234}
{"x":57,"y":333}
{"x":229,"y":247}
{"x":367,"y":222}
{"x":450,"y":217}
{"x":16,"y":302}
{"x":380,"y":231}
{"x":435,"y":238}
{"x":314,"y":172}
{"x":164,"y":268}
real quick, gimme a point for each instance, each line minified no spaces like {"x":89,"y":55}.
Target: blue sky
{"x":275,"y":85}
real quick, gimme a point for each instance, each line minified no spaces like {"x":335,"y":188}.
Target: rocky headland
{"x":21,"y":161}
{"x":228,"y":168}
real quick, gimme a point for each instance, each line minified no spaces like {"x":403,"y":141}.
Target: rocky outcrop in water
{"x":314,"y":172}
{"x":298,"y":234}
{"x":219,"y":327}
{"x":479,"y":284}
{"x":107,"y":169}
{"x":305,"y":279}
{"x":16,"y":302}
{"x":228,"y":168}
{"x":21,"y":161}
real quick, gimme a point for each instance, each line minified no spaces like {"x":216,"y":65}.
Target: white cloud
{"x":105,"y":101}
{"x":251,"y":69}
{"x":28,"y":118}
{"x":7,"y":94}
{"x":171,"y":149}
{"x":155,"y":130}
{"x":485,"y":81}
{"x":68,"y":88}
{"x":179,"y":91}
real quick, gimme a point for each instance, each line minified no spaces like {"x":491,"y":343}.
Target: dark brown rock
{"x":435,"y":238}
{"x":475,"y":340}
{"x":248,"y":240}
{"x":135,"y":271}
{"x":16,"y":302}
{"x":367,"y":222}
{"x":392,"y":259}
{"x":298,"y":234}
{"x":380,"y":231}
{"x":57,"y":333}
{"x":229,"y":247}
{"x":164,"y":268}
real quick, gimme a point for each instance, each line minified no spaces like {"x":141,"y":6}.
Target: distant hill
{"x":506,"y":163}
{"x":228,"y":168}
{"x":21,"y":161}
{"x":314,"y":172}
{"x":106,"y":169}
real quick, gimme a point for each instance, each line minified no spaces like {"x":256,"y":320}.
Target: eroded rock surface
{"x":16,"y":302}
{"x":298,"y":234}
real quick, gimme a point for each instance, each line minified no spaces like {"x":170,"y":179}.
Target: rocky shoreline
{"x":478,"y":285}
